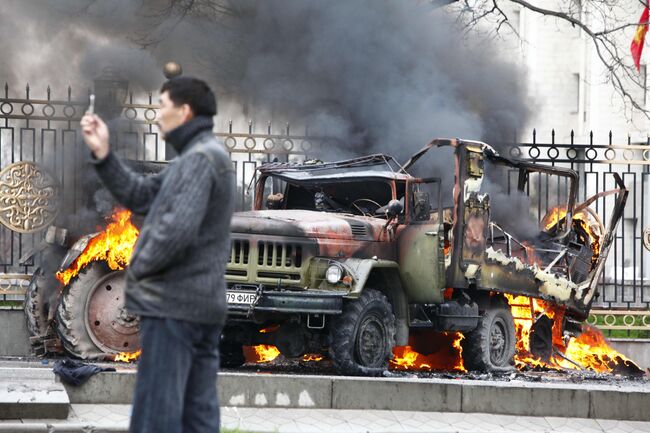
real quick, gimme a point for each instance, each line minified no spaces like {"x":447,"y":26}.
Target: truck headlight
{"x":334,"y":274}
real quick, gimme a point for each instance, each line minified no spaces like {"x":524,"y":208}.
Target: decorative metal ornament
{"x":28,"y":197}
{"x":646,"y":238}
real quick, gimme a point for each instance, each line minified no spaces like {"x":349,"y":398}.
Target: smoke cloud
{"x":382,"y":76}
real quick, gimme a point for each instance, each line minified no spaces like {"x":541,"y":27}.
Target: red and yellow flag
{"x":636,"y":48}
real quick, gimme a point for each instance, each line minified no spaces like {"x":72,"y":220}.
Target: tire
{"x":231,"y":354}
{"x":36,"y":306}
{"x":363,"y":336}
{"x":82,"y":333}
{"x":491,"y":346}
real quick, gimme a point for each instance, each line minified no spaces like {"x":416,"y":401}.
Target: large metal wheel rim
{"x":370,"y":343}
{"x":498,"y":341}
{"x":107,"y":323}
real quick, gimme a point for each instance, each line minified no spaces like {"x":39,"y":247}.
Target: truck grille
{"x":265,"y":262}
{"x":272,"y":254}
{"x":239,"y":252}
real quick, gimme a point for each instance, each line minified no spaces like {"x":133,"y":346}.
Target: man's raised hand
{"x":95,"y":134}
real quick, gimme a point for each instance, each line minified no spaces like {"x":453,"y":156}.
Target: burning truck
{"x":349,"y":258}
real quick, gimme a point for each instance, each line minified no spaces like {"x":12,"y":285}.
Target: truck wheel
{"x":91,"y":318}
{"x":363,"y":336}
{"x":491,"y":346}
{"x":231,"y":354}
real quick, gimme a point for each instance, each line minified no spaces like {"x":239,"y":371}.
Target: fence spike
{"x":131,"y":97}
{"x":69,"y":93}
{"x":268,"y":127}
{"x":534,"y":135}
{"x":287,"y":128}
{"x":610,"y":137}
{"x":27,"y":91}
{"x":553,"y":136}
{"x":6,"y":90}
{"x":591,"y":138}
{"x":250,"y":126}
{"x":230,"y":126}
{"x":572,"y":135}
{"x":150,"y":98}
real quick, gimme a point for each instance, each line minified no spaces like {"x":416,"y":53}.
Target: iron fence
{"x":626,"y":280}
{"x":45,"y":131}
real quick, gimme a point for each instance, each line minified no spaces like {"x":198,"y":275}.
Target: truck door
{"x":420,"y":243}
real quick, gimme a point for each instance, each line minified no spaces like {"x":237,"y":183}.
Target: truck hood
{"x":305,"y":223}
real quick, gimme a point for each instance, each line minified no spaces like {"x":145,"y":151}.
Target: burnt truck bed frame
{"x":484,"y":268}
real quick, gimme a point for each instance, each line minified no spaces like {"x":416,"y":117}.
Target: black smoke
{"x":380,"y":75}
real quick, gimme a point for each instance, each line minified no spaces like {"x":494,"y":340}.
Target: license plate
{"x":241,"y":297}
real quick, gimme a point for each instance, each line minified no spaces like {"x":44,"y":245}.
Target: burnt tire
{"x":36,"y":306}
{"x":363,"y":336}
{"x":491,"y":346}
{"x":73,"y":325}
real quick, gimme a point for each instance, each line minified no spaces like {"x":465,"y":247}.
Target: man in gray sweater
{"x":175,"y":280}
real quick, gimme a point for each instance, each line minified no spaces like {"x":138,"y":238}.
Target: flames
{"x":127,"y":356}
{"x":444,"y":352}
{"x":114,"y":245}
{"x":261,"y":353}
{"x":589,"y":351}
{"x":581,"y":219}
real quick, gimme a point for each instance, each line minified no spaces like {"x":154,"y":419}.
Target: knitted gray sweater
{"x":178,"y":265}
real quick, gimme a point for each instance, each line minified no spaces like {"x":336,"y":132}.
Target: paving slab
{"x":32,"y":393}
{"x":619,"y":403}
{"x":523,"y":398}
{"x":275,"y":390}
{"x":396,"y":394}
{"x":104,"y":388}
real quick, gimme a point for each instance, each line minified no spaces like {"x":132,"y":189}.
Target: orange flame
{"x":312,"y":357}
{"x":128,"y":356}
{"x":590,"y":351}
{"x":444,"y":352}
{"x":261,"y":353}
{"x":581,"y":219}
{"x":114,"y":246}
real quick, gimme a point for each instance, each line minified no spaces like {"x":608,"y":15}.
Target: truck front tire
{"x":491,"y":346}
{"x":363,"y":336}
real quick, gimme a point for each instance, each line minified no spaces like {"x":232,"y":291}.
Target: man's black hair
{"x":193,"y":92}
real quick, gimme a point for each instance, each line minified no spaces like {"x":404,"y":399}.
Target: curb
{"x":621,"y":402}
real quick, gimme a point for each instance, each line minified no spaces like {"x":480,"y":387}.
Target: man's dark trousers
{"x":177,"y":377}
